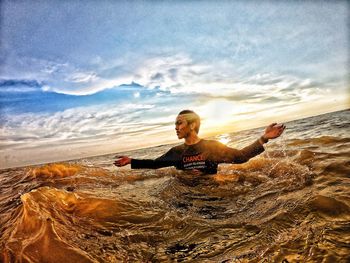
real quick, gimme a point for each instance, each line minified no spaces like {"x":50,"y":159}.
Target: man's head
{"x":187,"y":121}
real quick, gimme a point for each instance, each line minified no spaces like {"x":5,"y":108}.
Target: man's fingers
{"x":281,"y":129}
{"x":280,"y":126}
{"x":118,"y":163}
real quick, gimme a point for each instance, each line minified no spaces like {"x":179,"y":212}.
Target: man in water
{"x":200,"y":156}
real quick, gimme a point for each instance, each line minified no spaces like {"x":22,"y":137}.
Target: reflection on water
{"x":290,"y":204}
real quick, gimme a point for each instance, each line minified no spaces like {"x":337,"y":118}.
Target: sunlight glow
{"x":224,"y":139}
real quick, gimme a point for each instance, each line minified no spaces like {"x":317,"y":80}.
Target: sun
{"x":224,"y":140}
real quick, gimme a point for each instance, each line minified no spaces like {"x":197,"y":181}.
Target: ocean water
{"x":289,"y":204}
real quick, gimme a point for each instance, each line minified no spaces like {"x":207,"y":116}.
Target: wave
{"x":56,"y":170}
{"x":323,"y":140}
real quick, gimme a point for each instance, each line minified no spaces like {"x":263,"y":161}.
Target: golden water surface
{"x":290,"y":204}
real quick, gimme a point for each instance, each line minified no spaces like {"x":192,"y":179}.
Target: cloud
{"x":82,"y":77}
{"x":163,"y":80}
{"x":17,"y":82}
{"x":170,"y":73}
{"x":77,"y":123}
{"x":18,"y":86}
{"x":178,"y":74}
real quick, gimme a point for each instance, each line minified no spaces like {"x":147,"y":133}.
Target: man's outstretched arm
{"x":163,"y":161}
{"x":231,"y":155}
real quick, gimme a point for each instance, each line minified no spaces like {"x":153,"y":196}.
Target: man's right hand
{"x":273,"y":131}
{"x":122,"y":161}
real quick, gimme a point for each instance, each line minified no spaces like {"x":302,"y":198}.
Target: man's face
{"x":182,"y":127}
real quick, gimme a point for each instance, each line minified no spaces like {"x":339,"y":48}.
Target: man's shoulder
{"x":203,"y":143}
{"x":178,"y":148}
{"x":210,"y":142}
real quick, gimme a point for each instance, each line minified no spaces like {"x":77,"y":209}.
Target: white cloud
{"x":83,"y":131}
{"x":82,"y":77}
{"x":46,"y":88}
{"x":77,"y":123}
{"x":21,"y":89}
{"x":179,"y":74}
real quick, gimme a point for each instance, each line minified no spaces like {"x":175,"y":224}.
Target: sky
{"x":84,"y":78}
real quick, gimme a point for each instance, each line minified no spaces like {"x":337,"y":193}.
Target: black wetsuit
{"x":204,"y":156}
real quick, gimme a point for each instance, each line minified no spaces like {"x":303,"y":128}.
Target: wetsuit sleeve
{"x":227,"y":154}
{"x":167,"y":159}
